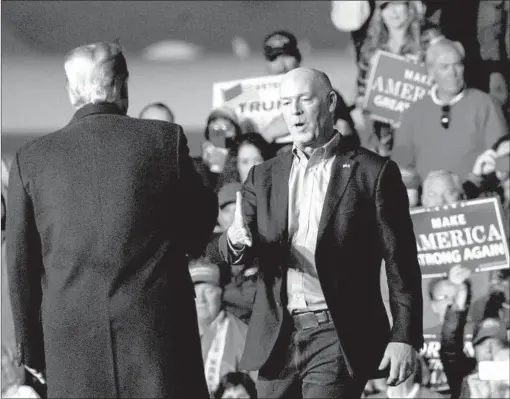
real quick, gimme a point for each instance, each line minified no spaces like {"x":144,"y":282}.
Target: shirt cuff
{"x":238,"y":254}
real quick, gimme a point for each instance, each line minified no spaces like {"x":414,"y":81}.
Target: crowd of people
{"x":452,"y":146}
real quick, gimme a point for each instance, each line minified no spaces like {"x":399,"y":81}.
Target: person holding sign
{"x":319,"y":219}
{"x":396,"y":27}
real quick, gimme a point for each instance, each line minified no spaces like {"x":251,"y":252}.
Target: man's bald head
{"x":308,"y":105}
{"x":312,"y":76}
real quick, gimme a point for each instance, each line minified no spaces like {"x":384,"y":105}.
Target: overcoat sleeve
{"x":25,"y":270}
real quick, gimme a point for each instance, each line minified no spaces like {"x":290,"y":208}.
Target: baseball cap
{"x":227,"y":193}
{"x":489,"y":328}
{"x":281,"y":42}
{"x":202,"y":271}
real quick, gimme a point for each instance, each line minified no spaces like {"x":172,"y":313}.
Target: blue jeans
{"x":313,"y":366}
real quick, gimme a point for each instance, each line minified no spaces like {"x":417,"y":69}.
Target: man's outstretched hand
{"x":401,"y":359}
{"x":238,"y":233}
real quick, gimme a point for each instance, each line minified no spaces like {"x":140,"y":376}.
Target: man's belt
{"x":306,"y":320}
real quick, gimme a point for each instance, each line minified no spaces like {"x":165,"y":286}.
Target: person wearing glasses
{"x":450,"y":128}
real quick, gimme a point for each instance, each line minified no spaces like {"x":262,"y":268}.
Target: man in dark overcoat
{"x":103,"y":215}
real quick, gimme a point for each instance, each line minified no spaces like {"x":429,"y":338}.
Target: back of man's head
{"x":96,"y":73}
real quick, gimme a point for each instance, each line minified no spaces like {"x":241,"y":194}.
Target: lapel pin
{"x":346,"y":165}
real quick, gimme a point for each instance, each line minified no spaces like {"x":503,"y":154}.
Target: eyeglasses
{"x":445,"y":116}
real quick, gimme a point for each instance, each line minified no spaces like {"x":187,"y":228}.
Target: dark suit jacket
{"x":365,"y":217}
{"x":102,"y":214}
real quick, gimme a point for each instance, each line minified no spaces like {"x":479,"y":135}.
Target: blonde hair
{"x":378,"y":35}
{"x":95,"y":73}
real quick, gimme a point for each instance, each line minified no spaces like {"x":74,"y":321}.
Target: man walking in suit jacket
{"x":320,"y":219}
{"x":102,"y":215}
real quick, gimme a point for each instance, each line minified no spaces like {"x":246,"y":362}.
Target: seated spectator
{"x":249,"y":150}
{"x":157,"y":111}
{"x":451,"y":127}
{"x":413,"y":387}
{"x":441,"y":188}
{"x":220,"y":135}
{"x":236,"y":385}
{"x":222,"y":334}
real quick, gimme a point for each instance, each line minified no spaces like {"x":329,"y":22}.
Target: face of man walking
{"x":307,"y":105}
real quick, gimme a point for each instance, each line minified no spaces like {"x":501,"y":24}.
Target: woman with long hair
{"x":397,"y":27}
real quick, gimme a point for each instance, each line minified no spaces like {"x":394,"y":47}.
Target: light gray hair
{"x":95,"y":73}
{"x":441,"y":174}
{"x":438,"y":45}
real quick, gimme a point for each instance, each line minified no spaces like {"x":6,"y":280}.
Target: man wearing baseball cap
{"x":222,"y":335}
{"x":281,"y":52}
{"x":282,"y":55}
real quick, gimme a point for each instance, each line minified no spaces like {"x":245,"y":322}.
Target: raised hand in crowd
{"x":458,"y":276}
{"x":214,"y":157}
{"x":485,"y":163}
{"x":238,"y":233}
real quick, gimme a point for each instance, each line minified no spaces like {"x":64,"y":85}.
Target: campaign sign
{"x":394,"y":83}
{"x":256,"y":101}
{"x":469,"y":233}
{"x":436,"y":376}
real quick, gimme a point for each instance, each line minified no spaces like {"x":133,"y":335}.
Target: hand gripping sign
{"x":394,"y":83}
